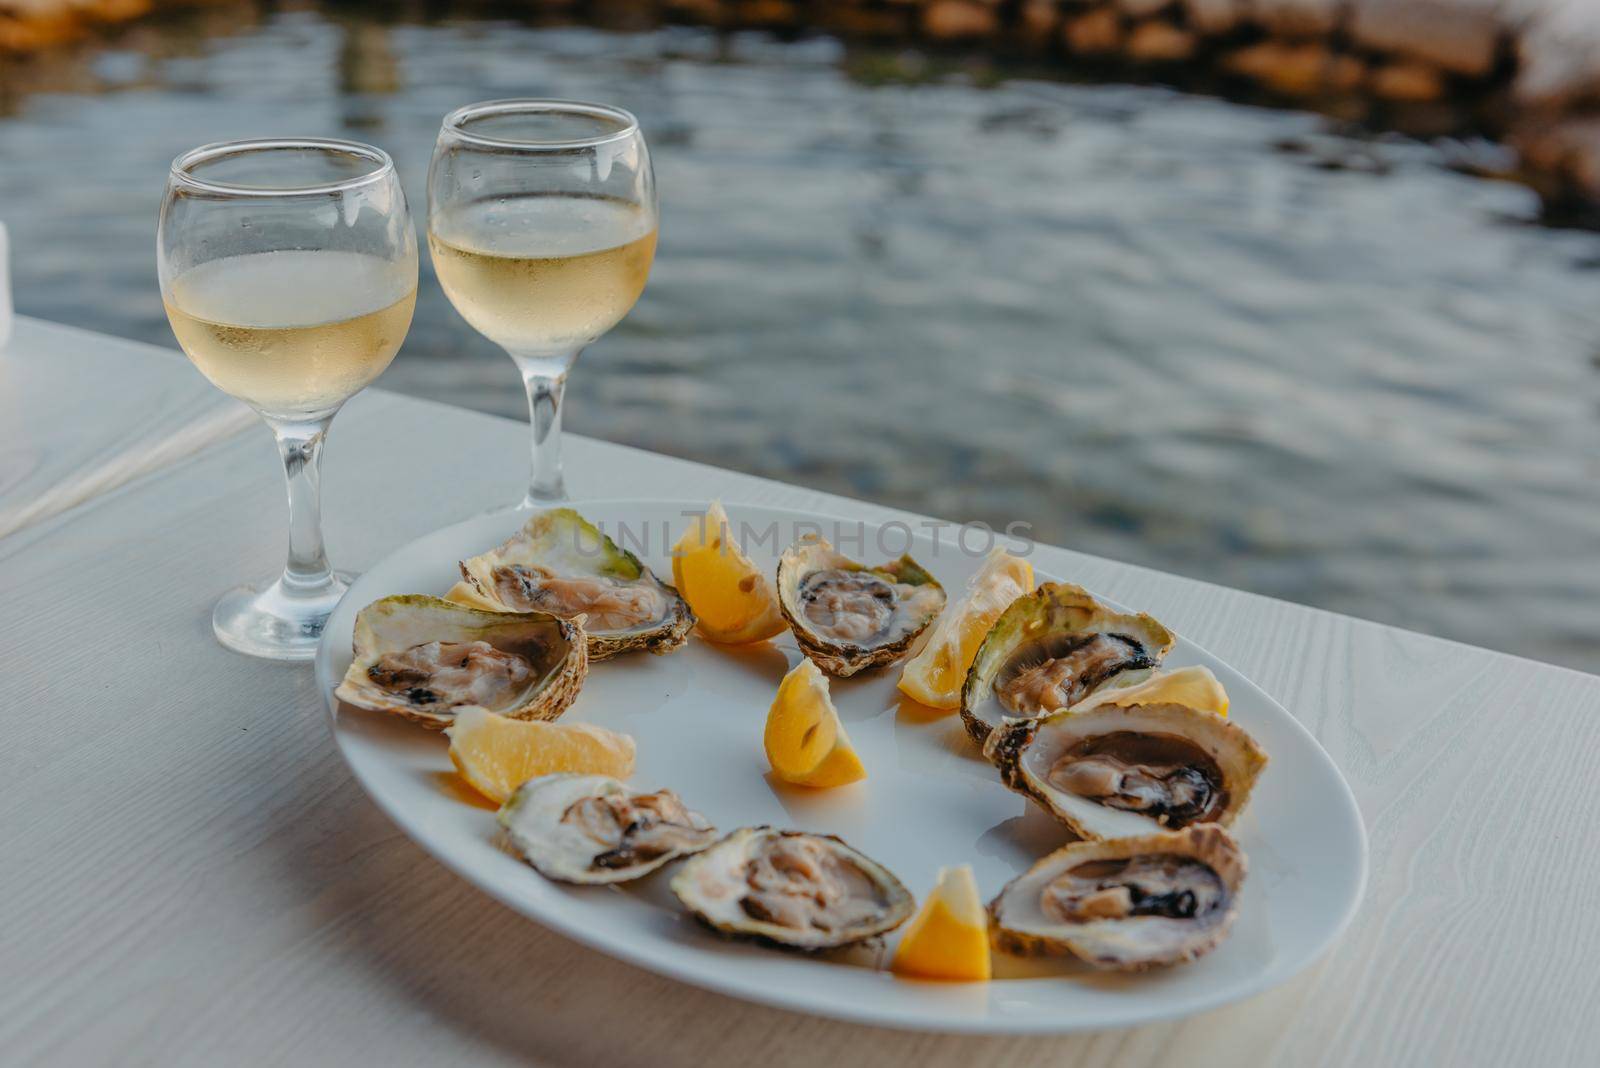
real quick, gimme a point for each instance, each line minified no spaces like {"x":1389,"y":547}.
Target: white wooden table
{"x":189,"y":875}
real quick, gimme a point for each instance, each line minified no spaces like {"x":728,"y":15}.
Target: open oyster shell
{"x":803,"y":891}
{"x":1050,"y":650}
{"x":423,"y":657}
{"x":1128,"y":904}
{"x":561,"y":563}
{"x":593,"y":829}
{"x":1116,"y":770}
{"x":848,"y":617}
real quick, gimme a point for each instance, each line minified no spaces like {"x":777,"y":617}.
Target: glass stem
{"x":545,"y":379}
{"x":300,"y":445}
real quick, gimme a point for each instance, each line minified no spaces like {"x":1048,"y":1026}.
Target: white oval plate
{"x":930,"y":800}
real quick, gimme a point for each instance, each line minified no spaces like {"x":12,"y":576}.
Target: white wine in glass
{"x":289,"y":274}
{"x":542,"y":223}
{"x":543,"y":273}
{"x":286,"y":332}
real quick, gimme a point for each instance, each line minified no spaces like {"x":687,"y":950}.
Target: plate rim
{"x":668,"y":964}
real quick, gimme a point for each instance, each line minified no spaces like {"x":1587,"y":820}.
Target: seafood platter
{"x":929,"y":788}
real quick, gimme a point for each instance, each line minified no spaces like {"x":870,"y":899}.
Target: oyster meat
{"x":848,"y":617}
{"x":804,"y":891}
{"x":1050,"y":650}
{"x":1128,"y":904}
{"x":593,"y":829}
{"x":424,"y":657}
{"x":561,"y":563}
{"x":1119,"y":770}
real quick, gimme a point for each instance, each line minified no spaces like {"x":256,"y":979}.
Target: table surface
{"x":192,"y":876}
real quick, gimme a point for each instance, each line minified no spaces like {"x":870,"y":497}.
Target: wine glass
{"x":289,"y":273}
{"x":542,"y":224}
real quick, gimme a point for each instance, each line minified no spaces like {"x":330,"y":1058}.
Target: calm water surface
{"x":1212,"y":339}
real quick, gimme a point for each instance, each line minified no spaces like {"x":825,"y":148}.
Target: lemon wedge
{"x":805,"y":742}
{"x":934,"y":676}
{"x":948,"y":938}
{"x":733,"y":599}
{"x":1194,"y":687}
{"x":496,"y":754}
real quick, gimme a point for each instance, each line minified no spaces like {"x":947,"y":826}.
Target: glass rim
{"x":182,"y":173}
{"x":455,"y":123}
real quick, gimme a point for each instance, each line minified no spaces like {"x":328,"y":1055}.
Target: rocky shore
{"x":32,"y":25}
{"x":1523,"y":72}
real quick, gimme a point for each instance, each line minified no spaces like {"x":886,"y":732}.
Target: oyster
{"x":1119,"y":770}
{"x":805,"y":891}
{"x":561,"y":563}
{"x":1050,"y":650}
{"x":848,"y":617}
{"x":423,"y":657}
{"x":1128,"y":904}
{"x":593,"y":829}
{"x":1194,"y":686}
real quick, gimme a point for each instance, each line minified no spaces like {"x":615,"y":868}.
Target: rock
{"x":31,"y":25}
{"x":767,"y":14}
{"x":847,"y":20}
{"x":1558,"y":57}
{"x":1301,"y":70}
{"x":114,"y":10}
{"x":1408,"y":82}
{"x":1094,"y":34}
{"x":1563,"y":157}
{"x":1298,"y":18}
{"x":1160,"y":42}
{"x":1345,"y":73}
{"x":1542,"y":148}
{"x":1214,"y":17}
{"x":1039,"y":16}
{"x":1142,"y":9}
{"x":1459,"y":35}
{"x":1583,"y":161}
{"x":1037,"y":21}
{"x":959,"y":20}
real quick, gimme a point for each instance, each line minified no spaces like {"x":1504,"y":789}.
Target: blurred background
{"x":1327,"y":359}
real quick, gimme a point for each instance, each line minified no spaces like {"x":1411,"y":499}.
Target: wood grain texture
{"x":192,"y":877}
{"x":81,"y":414}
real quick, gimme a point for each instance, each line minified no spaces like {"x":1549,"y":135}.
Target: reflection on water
{"x":1170,"y":330}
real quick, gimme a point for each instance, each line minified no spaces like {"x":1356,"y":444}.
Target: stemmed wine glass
{"x":542,"y":224}
{"x":289,"y":273}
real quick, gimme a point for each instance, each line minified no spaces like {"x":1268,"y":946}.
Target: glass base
{"x":274,"y":624}
{"x":530,"y":503}
{"x":527,"y":504}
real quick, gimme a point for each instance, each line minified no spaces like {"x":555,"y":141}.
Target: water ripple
{"x":1209,"y":338}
